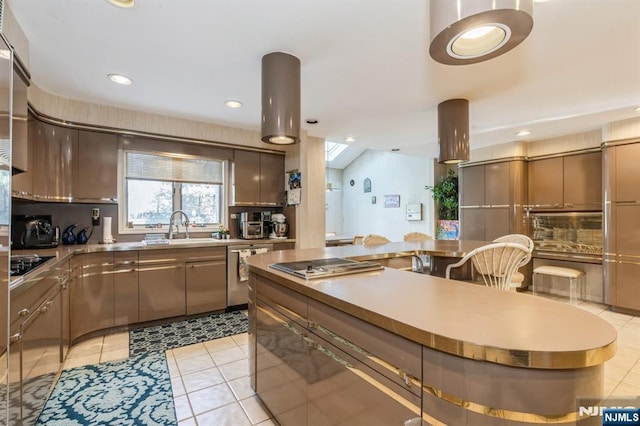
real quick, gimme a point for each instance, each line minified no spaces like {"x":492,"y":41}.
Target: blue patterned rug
{"x":187,"y":332}
{"x":134,"y":391}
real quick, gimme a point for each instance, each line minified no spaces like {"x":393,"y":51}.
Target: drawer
{"x":287,"y":302}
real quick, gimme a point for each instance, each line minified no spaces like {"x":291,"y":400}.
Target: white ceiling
{"x":366,"y":71}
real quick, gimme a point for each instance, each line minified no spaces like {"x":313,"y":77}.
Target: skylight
{"x":333,"y":149}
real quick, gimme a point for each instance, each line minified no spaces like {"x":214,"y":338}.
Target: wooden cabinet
{"x":492,"y":196}
{"x":19,"y":139}
{"x":626,"y":173}
{"x":161,"y":281}
{"x":206,"y":284}
{"x":92,"y":293}
{"x":22,"y":183}
{"x":571,"y":182}
{"x":125,"y":288}
{"x":258,"y":179}
{"x":97,"y":167}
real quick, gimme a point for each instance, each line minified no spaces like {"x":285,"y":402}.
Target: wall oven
{"x":572,"y":236}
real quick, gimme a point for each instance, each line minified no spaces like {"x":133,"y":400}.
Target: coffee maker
{"x":280,"y":227}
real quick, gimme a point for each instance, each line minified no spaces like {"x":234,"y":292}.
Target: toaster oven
{"x":251,"y":230}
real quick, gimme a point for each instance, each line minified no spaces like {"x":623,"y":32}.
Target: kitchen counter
{"x":65,"y":252}
{"x":487,"y":355}
{"x":461,"y":318}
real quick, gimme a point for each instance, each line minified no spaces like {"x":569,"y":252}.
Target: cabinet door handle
{"x":15,"y":338}
{"x":24,"y":312}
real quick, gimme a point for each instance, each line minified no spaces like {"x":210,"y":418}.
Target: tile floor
{"x":211,"y":380}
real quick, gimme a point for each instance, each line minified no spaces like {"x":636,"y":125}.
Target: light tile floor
{"x":211,"y":380}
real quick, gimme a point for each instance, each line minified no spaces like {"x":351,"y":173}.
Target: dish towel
{"x":243,"y":268}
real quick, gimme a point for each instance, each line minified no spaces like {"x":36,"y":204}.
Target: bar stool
{"x":576,"y":277}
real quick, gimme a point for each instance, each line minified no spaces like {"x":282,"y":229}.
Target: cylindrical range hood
{"x":470,"y":31}
{"x":280,"y":98}
{"x":453,"y":131}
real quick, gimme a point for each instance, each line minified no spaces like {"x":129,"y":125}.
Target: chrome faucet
{"x":186,"y":224}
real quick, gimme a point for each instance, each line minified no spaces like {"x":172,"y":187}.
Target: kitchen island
{"x":387,"y":346}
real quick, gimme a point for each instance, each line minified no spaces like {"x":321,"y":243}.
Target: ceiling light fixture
{"x":233,"y":103}
{"x":120,"y":79}
{"x":350,"y":139}
{"x":470,"y":31}
{"x":638,"y":109}
{"x":453,"y":131}
{"x":523,"y":133}
{"x":280,"y":99}
{"x":124,"y":4}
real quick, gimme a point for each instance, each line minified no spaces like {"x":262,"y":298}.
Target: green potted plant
{"x":445,"y":194}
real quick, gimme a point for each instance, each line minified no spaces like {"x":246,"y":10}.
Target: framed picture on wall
{"x":391,"y":201}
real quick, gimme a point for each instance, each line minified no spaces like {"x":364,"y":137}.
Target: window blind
{"x":139,"y":165}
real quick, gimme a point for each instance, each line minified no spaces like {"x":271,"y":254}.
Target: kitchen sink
{"x":194,"y":241}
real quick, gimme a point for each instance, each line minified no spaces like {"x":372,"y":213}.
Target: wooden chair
{"x":518,"y":277}
{"x":373,"y":239}
{"x":496,"y":263}
{"x":417,"y":236}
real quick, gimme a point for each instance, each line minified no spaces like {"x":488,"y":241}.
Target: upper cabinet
{"x":19,"y":146}
{"x":97,"y":167}
{"x":491,"y":199}
{"x":573,"y":182}
{"x":55,"y":151}
{"x":68,"y":165}
{"x":258,"y":179}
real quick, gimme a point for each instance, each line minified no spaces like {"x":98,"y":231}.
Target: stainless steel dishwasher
{"x":237,"y":273}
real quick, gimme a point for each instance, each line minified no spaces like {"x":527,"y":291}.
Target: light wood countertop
{"x":461,"y":318}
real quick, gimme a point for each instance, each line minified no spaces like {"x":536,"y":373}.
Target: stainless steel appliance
{"x":573,"y":236}
{"x":321,"y":268}
{"x":29,"y":231}
{"x":237,"y":271}
{"x":250,"y":226}
{"x":21,"y":264}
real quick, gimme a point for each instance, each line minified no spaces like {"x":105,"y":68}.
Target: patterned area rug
{"x":134,"y":391}
{"x":187,"y":332}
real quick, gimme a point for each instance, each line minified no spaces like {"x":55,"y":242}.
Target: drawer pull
{"x":24,"y":312}
{"x":15,"y":338}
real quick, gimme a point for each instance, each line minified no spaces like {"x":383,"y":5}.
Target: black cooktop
{"x":23,"y":263}
{"x":322,"y":268}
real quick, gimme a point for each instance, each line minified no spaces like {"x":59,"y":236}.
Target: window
{"x":156,"y":184}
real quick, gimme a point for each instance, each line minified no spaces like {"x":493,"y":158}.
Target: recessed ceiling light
{"x":120,"y":79}
{"x":350,"y":139}
{"x":233,"y":103}
{"x":124,"y":4}
{"x":395,"y":149}
{"x":638,"y":109}
{"x":523,"y":133}
{"x":5,"y":54}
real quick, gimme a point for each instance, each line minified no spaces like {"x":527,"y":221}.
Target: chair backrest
{"x":357,"y":240}
{"x":373,"y":239}
{"x":496,"y":263}
{"x":417,"y":236}
{"x":518,"y":239}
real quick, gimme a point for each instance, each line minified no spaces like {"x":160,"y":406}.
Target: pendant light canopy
{"x":470,"y":31}
{"x":453,"y":131}
{"x":280,"y":99}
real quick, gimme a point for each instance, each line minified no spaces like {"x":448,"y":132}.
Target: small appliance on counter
{"x":279,"y":224}
{"x":32,"y":231}
{"x":250,"y":226}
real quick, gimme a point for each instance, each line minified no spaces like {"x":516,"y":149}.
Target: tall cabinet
{"x":492,"y":198}
{"x":621,"y":211}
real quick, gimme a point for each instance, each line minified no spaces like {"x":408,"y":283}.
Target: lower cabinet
{"x":485,"y":223}
{"x":161,"y":285}
{"x":125,"y":288}
{"x":329,"y":368}
{"x":36,"y":342}
{"x":206,"y":285}
{"x":92,"y":294}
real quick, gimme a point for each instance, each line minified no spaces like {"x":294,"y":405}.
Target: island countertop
{"x":455,"y":317}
